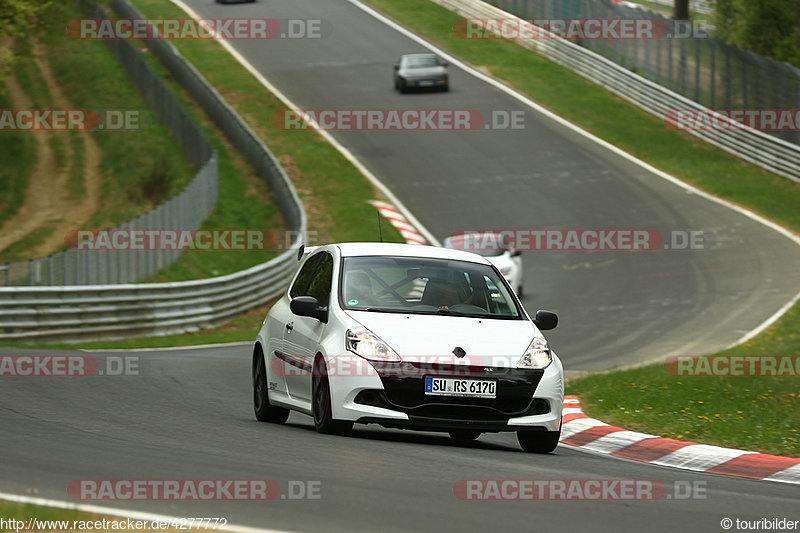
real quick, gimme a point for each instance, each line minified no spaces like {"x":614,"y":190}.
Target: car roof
{"x":355,"y":249}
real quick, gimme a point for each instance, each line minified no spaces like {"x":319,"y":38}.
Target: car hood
{"x":486,"y":342}
{"x":424,"y":72}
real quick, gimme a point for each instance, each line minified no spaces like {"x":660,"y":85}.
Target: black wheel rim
{"x":260,"y":389}
{"x":320,"y":391}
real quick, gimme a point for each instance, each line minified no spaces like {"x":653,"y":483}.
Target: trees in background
{"x":767,"y":27}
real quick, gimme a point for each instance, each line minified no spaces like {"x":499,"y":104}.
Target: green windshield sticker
{"x":352,"y":302}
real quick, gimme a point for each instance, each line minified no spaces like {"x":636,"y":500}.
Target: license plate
{"x":425,"y":83}
{"x":477,"y":388}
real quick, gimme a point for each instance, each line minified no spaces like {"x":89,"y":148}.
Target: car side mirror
{"x":397,"y":67}
{"x":445,"y":64}
{"x":516,"y":253}
{"x":545,"y":320}
{"x":308,"y":306}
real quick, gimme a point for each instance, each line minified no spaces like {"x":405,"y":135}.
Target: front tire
{"x":321,"y":403}
{"x":265,"y":411}
{"x":539,"y":441}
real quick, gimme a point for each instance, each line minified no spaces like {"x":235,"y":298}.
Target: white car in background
{"x":405,"y":336}
{"x":508,"y":261}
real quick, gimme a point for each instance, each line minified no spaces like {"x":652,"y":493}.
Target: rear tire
{"x":265,"y":411}
{"x":538,"y":441}
{"x":464,"y":435}
{"x":321,"y":403}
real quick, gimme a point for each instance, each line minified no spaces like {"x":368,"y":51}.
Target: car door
{"x":279,"y":317}
{"x":302,"y":334}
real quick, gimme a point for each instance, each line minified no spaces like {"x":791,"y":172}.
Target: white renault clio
{"x":408,"y":336}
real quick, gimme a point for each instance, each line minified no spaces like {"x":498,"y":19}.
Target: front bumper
{"x":526,"y":399}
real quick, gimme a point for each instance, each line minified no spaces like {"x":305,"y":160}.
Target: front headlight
{"x":363,"y":342}
{"x":536,"y":356}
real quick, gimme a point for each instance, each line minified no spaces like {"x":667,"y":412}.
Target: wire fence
{"x":690,"y":62}
{"x":187,"y":210}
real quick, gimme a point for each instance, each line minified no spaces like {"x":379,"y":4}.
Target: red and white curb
{"x":581,"y":431}
{"x":406,"y":229}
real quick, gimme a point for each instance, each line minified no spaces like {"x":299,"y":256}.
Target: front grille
{"x":406,"y":393}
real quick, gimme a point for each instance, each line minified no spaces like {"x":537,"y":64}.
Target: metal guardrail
{"x":766,"y":151}
{"x":89,"y":312}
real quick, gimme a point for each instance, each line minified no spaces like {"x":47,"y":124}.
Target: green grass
{"x":752,"y":413}
{"x":24,"y":511}
{"x":17,"y":158}
{"x":75,"y":181}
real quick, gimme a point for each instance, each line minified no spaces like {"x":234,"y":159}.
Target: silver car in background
{"x":421,"y":71}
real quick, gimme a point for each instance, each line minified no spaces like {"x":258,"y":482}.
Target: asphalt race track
{"x":188,"y":414}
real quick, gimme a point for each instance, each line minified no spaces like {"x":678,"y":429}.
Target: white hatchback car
{"x":408,"y":336}
{"x":508,"y":261}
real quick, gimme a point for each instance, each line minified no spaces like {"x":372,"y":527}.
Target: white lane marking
{"x":605,"y":144}
{"x":109,"y":511}
{"x":325,"y":134}
{"x":700,"y":457}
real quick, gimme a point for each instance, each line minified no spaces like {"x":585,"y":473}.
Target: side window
{"x":320,"y":287}
{"x":301,"y":283}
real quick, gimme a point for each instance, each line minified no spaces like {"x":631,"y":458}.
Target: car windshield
{"x":420,"y":62}
{"x":419,"y":285}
